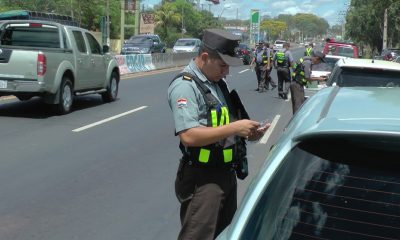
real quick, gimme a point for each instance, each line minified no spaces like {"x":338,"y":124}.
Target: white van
{"x":186,"y":45}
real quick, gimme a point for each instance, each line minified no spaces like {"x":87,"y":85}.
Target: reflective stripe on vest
{"x":204,"y":154}
{"x":308,"y":52}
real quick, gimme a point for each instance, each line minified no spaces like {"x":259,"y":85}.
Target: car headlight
{"x":144,"y":50}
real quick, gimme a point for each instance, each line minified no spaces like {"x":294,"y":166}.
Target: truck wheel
{"x":66,"y":96}
{"x":112,"y":89}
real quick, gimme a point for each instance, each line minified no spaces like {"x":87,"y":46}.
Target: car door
{"x":97,"y":62}
{"x":82,"y":62}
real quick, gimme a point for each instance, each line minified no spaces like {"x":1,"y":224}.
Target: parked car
{"x":55,"y":62}
{"x":390,"y":54}
{"x":143,"y":44}
{"x":278,"y":45}
{"x":186,"y":45}
{"x":244,"y":52}
{"x":346,"y":49}
{"x":353,"y":72}
{"x":333,"y":174}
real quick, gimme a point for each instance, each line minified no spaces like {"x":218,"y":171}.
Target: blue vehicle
{"x":334,"y":173}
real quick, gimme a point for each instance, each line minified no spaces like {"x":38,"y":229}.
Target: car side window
{"x":80,"y":41}
{"x":94,"y":45}
{"x":325,"y":197}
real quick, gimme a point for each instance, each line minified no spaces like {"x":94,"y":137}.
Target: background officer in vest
{"x":302,"y":74}
{"x":268,"y":67}
{"x":261,"y":60}
{"x":283,"y":61}
{"x":206,"y":183}
{"x":309,"y":50}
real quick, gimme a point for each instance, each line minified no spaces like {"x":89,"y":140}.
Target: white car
{"x":278,"y":45}
{"x":354,"y":72}
{"x":186,"y":45}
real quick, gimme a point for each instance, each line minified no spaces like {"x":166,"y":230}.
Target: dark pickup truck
{"x":143,"y":44}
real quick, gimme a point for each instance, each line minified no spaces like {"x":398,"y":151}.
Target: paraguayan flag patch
{"x":181,"y":102}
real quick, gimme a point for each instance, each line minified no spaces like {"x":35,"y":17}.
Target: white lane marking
{"x":244,"y":71}
{"x":264,"y":139}
{"x":108,"y":119}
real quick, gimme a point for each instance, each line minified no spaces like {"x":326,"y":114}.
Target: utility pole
{"x":72,"y":10}
{"x":108,"y":21}
{"x":384,"y":45}
{"x":122,"y":35}
{"x":137,"y":16}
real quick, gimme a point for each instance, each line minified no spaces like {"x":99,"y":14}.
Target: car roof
{"x":367,"y":63}
{"x":335,"y":56}
{"x":187,"y":39}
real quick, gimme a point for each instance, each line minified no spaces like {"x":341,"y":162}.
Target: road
{"x":106,"y":171}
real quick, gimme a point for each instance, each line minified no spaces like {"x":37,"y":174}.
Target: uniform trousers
{"x":269,"y":80}
{"x":298,"y":97}
{"x":261,"y":76}
{"x":283,"y":80}
{"x":208,"y":198}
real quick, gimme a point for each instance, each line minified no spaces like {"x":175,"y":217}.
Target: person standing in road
{"x":268,"y":68}
{"x":283,"y":61}
{"x":211,"y":126}
{"x":302,"y":75}
{"x":260,"y":59}
{"x":309,"y":50}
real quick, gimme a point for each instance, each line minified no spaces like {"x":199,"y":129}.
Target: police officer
{"x":268,"y":68}
{"x":261,"y":61}
{"x":283,"y":61}
{"x":309,"y":50}
{"x":210,"y":130}
{"x":302,"y":74}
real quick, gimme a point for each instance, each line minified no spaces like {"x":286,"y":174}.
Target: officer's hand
{"x":255,"y":135}
{"x":243,"y":128}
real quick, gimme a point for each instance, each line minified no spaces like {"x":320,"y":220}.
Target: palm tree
{"x":167,"y":16}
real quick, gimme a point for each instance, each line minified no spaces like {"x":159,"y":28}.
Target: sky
{"x":232,"y":9}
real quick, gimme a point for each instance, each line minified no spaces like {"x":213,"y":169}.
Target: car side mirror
{"x":106,"y":49}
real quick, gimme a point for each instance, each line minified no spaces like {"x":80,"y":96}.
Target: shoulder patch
{"x":181,"y":102}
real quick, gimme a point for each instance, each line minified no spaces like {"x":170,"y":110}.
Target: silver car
{"x":186,"y":45}
{"x":334,"y":173}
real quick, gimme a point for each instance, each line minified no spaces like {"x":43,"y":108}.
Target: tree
{"x":166,"y":17}
{"x":365,"y":20}
{"x":274,"y":28}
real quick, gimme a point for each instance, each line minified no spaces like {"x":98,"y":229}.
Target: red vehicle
{"x":341,"y":49}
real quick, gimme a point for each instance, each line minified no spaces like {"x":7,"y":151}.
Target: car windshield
{"x":325,"y":66}
{"x":279,"y":42}
{"x":350,"y":77}
{"x":345,"y":51}
{"x":185,"y":42}
{"x":313,"y":197}
{"x":140,"y":40}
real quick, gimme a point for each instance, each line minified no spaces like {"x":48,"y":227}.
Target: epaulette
{"x":186,"y":78}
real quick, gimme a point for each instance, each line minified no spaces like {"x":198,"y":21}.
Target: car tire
{"x":66,"y":96}
{"x":112,"y":89}
{"x":24,"y":97}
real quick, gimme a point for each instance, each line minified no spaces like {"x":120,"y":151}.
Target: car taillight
{"x":41,"y":64}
